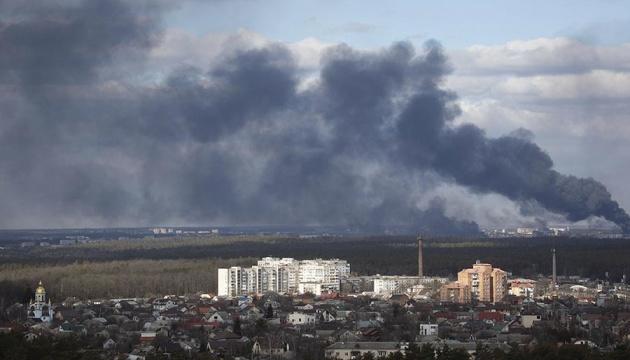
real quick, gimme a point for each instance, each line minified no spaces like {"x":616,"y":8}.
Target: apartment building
{"x":395,"y":284}
{"x":485,"y":284}
{"x":283,"y":275}
{"x":455,"y":293}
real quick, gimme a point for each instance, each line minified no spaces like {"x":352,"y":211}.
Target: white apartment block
{"x":401,"y":284}
{"x":283,"y":275}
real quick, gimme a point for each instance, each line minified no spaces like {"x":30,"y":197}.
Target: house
{"x":400,"y":299}
{"x":307,"y":307}
{"x":109,"y":345}
{"x":251,"y":313}
{"x":275,"y":350}
{"x":147,"y":337}
{"x":301,"y":318}
{"x":163,"y":304}
{"x":493,"y":316}
{"x":428,"y":329}
{"x":205,"y":309}
{"x":355,"y":350}
{"x":157,"y":325}
{"x":345,"y":335}
{"x":528,"y":320}
{"x":326,"y":316}
{"x":219,"y":317}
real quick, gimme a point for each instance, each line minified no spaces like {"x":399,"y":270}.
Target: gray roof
{"x":365,"y":345}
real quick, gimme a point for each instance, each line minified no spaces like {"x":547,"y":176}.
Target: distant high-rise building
{"x":285,"y":275}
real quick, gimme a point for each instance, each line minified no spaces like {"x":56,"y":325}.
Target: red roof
{"x":491,"y":315}
{"x":444,"y":315}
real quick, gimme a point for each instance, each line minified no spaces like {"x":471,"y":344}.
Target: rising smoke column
{"x":90,"y":135}
{"x":511,"y":166}
{"x":424,"y":136}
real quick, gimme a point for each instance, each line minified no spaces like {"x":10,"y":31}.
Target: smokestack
{"x":420,"y":265}
{"x":554,"y":279}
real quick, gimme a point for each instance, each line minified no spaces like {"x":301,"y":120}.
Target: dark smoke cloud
{"x":45,"y":44}
{"x":89,"y":137}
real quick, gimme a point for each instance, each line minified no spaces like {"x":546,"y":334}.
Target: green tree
{"x":415,"y":352}
{"x":237,"y":326}
{"x":269,"y":312}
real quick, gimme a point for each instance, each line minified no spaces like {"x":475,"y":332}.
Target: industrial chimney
{"x":420,"y":264}
{"x":554,"y":278}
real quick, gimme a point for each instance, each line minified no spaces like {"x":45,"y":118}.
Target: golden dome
{"x":40,"y":289}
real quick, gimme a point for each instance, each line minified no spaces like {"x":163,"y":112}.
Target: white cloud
{"x":182,"y":48}
{"x":597,"y":84}
{"x":541,"y":56}
{"x":499,"y":118}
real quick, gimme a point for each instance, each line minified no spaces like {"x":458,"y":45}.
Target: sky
{"x":446,"y":116}
{"x":366,"y":24}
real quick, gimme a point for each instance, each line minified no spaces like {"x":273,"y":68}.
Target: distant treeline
{"x":367,"y":255}
{"x":131,"y":278}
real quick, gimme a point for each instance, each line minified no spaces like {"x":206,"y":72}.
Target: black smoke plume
{"x":90,"y":136}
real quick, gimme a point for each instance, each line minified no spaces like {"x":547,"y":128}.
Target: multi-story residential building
{"x":486,"y":284}
{"x":455,"y":293}
{"x":327,"y":272}
{"x":499,"y":285}
{"x":400,"y":284}
{"x":285,"y":275}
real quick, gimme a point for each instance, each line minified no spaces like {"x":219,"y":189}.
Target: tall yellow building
{"x":482,"y":282}
{"x":487,"y":284}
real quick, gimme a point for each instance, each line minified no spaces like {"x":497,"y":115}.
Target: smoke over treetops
{"x":87,"y":133}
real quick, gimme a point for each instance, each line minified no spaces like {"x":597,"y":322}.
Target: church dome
{"x":40,"y":289}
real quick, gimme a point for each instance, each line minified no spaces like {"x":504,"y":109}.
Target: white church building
{"x":40,"y":308}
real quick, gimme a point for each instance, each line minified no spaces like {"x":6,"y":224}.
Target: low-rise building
{"x":301,"y":318}
{"x":357,"y":349}
{"x":522,"y":287}
{"x":528,"y":320}
{"x":428,"y":329}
